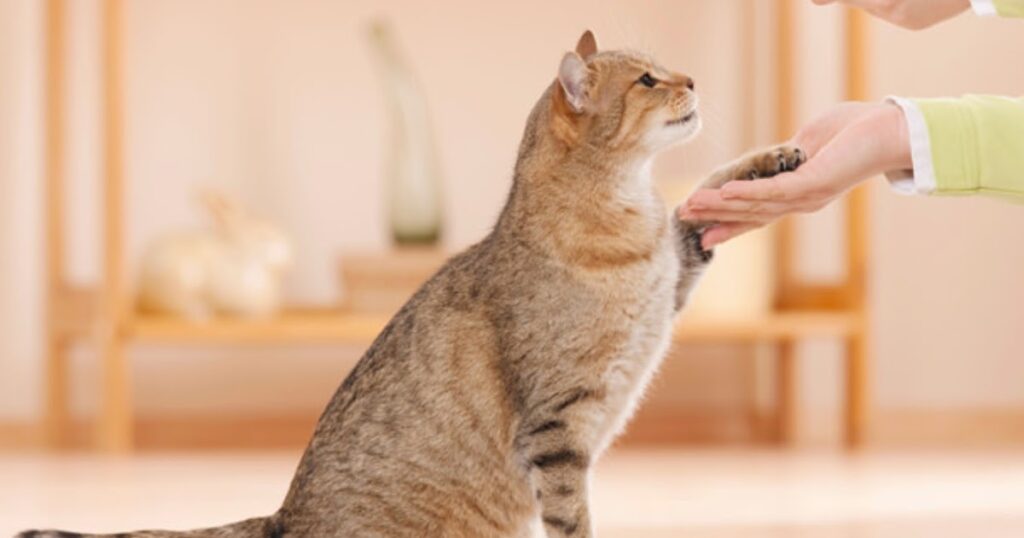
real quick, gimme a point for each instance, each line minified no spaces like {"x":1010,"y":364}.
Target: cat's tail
{"x":260,"y":527}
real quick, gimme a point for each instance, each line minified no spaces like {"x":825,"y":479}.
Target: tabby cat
{"x":480,"y":408}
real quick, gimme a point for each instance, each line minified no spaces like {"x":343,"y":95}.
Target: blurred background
{"x":859,"y":370}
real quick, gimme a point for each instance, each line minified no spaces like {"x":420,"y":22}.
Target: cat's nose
{"x":688,"y":81}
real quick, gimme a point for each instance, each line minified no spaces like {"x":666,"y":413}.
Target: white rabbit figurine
{"x":235,"y":268}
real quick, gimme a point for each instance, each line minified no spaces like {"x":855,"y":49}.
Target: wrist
{"x":896,"y":138}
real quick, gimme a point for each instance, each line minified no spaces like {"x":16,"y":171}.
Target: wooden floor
{"x":697,"y":493}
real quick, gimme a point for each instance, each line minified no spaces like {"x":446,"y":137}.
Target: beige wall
{"x":281,"y":106}
{"x":282,"y":103}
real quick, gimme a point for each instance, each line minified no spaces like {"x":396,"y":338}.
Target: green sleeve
{"x":977,"y":144}
{"x":1010,"y":8}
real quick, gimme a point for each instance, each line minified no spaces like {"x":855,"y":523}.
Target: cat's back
{"x":422,"y":430}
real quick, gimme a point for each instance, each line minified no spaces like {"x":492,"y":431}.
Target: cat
{"x":480,"y":408}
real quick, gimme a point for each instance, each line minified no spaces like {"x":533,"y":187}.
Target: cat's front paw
{"x":775,"y":161}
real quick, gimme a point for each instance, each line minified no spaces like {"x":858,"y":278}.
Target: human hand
{"x":846,"y":145}
{"x":912,"y":14}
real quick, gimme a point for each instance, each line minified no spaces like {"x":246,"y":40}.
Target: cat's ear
{"x":574,"y":78}
{"x":587,"y":45}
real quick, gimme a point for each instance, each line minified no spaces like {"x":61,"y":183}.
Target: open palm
{"x":848,"y":144}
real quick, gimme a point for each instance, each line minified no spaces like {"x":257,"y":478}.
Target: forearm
{"x":970,"y":145}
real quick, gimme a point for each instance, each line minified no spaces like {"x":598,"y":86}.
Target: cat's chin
{"x":675,"y":132}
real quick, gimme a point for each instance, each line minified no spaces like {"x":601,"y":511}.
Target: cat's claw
{"x":777,"y":161}
{"x":790,"y":158}
{"x":705,"y":254}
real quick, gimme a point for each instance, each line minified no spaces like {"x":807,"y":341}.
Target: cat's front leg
{"x":693,"y":258}
{"x":559,"y":457}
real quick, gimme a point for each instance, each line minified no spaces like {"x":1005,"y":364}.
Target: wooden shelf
{"x":338,"y":327}
{"x":305,"y":326}
{"x":775,"y":326}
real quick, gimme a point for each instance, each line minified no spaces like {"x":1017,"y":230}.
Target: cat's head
{"x":621,"y":101}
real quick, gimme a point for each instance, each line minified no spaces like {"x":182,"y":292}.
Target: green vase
{"x":412,"y":175}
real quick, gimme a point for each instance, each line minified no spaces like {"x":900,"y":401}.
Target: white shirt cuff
{"x":985,"y":8}
{"x":921,"y":179}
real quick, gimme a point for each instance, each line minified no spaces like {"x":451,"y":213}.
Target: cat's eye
{"x":647,"y":80}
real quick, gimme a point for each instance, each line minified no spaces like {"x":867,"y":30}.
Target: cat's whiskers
{"x":714,"y":128}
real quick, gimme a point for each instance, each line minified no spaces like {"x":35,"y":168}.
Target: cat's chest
{"x":642,"y":291}
{"x":620,"y":312}
{"x":634,"y":307}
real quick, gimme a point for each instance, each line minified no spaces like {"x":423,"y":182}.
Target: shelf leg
{"x":856,"y":408}
{"x":761,"y":414}
{"x":114,"y":428}
{"x":57,"y":420}
{"x":786,"y":393}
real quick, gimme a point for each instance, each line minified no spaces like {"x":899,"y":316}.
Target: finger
{"x":711,"y":200}
{"x":721,"y":233}
{"x":735,"y":214}
{"x":808,"y":183}
{"x":764,"y":214}
{"x":730,"y":216}
{"x":761,"y":189}
{"x":776,"y":188}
